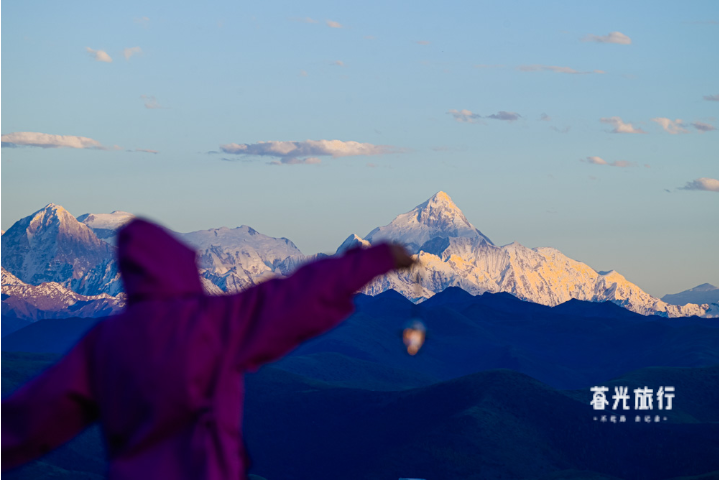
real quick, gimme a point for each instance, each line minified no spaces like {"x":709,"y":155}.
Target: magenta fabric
{"x":165,"y":378}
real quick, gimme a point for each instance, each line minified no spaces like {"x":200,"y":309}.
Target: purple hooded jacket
{"x":165,"y":378}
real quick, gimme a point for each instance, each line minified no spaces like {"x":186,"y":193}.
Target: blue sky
{"x":421,"y":89}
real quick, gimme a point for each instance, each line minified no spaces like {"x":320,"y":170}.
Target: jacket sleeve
{"x":272,"y":318}
{"x":50,"y":409}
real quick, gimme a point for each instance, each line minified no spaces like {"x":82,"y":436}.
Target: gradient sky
{"x":499,"y":104}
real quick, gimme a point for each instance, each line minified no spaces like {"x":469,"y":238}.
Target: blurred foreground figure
{"x":164,"y":378}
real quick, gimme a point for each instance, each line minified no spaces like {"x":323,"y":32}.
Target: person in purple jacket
{"x":164,"y":378}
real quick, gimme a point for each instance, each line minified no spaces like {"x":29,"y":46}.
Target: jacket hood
{"x":155,"y":264}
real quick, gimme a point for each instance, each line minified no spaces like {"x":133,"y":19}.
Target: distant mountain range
{"x":68,"y":256}
{"x":567,"y":346}
{"x":704,"y":293}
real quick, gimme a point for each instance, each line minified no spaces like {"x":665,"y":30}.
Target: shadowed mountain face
{"x":487,"y":425}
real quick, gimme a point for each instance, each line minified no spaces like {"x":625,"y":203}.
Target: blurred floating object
{"x":414,"y":336}
{"x":414,"y":332}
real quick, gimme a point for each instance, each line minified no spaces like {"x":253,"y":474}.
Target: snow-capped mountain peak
{"x":50,"y":245}
{"x":351,"y":242}
{"x":236,"y":258}
{"x":106,"y":221}
{"x":437,"y":217}
{"x":106,"y":225}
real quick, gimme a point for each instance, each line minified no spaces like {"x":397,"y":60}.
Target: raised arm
{"x":50,"y":409}
{"x":275,"y":316}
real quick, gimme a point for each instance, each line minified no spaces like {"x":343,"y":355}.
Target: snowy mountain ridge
{"x":53,"y":246}
{"x":53,"y":300}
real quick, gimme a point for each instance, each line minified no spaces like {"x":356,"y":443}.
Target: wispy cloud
{"x":144,"y":21}
{"x":332,"y":24}
{"x":303,"y":73}
{"x":612,"y":37}
{"x":304,"y":20}
{"x":600,"y":161}
{"x":129,"y":52}
{"x":145,"y":150}
{"x":555,"y":69}
{"x":673,"y":127}
{"x":99,"y":55}
{"x":620,"y":126}
{"x":338,"y":63}
{"x":307,"y":152}
{"x":703,"y":127}
{"x":369,"y":37}
{"x":544,"y":117}
{"x":710,"y":98}
{"x":703,"y":184}
{"x":296,"y":161}
{"x":47,"y":140}
{"x":560,"y":130}
{"x":506,"y":116}
{"x":422,"y":42}
{"x":150,"y":102}
{"x":467,"y":116}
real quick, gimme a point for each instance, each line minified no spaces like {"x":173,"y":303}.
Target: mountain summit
{"x":438,"y":217}
{"x":50,"y":245}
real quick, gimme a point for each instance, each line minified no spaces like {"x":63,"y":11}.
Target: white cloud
{"x":612,"y":37}
{"x":465,"y":116}
{"x":552,"y":68}
{"x":129,"y":52}
{"x":423,"y":42}
{"x":332,"y":24}
{"x":703,"y":127}
{"x":99,"y":55}
{"x":620,"y":126}
{"x":150,"y":102}
{"x":338,"y":63}
{"x":307,"y":152}
{"x":46,"y":140}
{"x":145,"y":150}
{"x":711,"y":98}
{"x":596,"y":161}
{"x":705,"y":184}
{"x":600,"y":161}
{"x":670,"y":126}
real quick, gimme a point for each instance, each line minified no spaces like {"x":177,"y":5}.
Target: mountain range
{"x":567,"y":346}
{"x":63,"y":257}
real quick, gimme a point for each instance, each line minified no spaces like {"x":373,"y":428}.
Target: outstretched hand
{"x":401,"y":256}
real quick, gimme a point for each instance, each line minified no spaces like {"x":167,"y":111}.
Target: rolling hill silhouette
{"x":492,"y":424}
